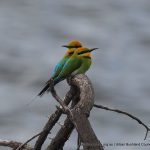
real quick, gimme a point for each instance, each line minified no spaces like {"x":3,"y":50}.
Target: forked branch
{"x":78,"y":115}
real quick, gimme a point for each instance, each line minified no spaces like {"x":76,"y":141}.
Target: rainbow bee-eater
{"x":78,"y":63}
{"x":72,"y":46}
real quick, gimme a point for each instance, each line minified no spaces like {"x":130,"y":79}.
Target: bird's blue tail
{"x":48,"y":84}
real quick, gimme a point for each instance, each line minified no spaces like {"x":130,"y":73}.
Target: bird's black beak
{"x":93,"y":49}
{"x":65,"y":46}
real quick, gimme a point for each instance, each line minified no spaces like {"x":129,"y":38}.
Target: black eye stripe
{"x":82,"y":52}
{"x":73,"y":46}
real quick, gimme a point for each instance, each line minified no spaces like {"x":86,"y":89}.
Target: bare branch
{"x":22,"y":145}
{"x":53,"y":119}
{"x":14,"y":144}
{"x":65,"y":131}
{"x":59,"y":100}
{"x":127,"y":114}
{"x":62,"y":135}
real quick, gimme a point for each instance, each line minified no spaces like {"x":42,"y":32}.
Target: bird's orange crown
{"x":72,"y":45}
{"x":75,"y":43}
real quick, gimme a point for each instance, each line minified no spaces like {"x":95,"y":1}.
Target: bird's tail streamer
{"x":32,"y":101}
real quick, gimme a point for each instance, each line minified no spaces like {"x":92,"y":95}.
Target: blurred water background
{"x":31,"y":35}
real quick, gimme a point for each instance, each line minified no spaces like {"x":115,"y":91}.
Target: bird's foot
{"x":69,"y":79}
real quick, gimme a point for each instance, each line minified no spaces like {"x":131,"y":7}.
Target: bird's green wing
{"x":73,"y":63}
{"x":85,"y":65}
{"x":59,"y":67}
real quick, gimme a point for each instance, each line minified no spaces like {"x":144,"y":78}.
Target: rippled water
{"x":31,"y":35}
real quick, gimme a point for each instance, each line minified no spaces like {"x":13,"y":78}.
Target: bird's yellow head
{"x":72,"y":46}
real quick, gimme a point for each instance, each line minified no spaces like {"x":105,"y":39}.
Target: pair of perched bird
{"x":77,"y":60}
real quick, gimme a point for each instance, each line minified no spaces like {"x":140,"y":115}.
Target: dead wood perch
{"x":79,"y":114}
{"x":82,"y":110}
{"x":81,"y":95}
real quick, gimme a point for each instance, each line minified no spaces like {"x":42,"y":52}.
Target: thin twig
{"x":127,"y":114}
{"x":22,"y":145}
{"x":59,"y":100}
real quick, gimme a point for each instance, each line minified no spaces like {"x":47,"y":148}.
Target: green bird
{"x":72,"y":46}
{"x":78,"y":63}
